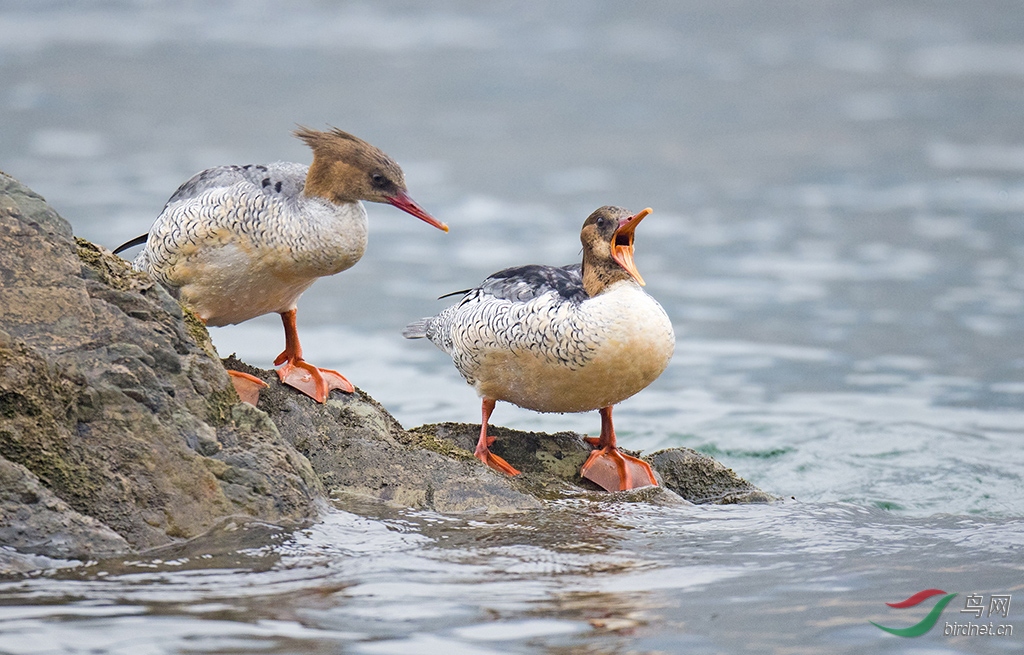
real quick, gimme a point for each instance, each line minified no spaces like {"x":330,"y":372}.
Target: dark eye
{"x":601,"y":223}
{"x":378,"y":180}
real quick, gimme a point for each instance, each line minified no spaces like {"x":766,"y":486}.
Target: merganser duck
{"x":237,"y":242}
{"x":563,"y":339}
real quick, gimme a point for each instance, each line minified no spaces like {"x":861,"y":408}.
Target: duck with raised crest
{"x":563,"y":339}
{"x":237,"y":242}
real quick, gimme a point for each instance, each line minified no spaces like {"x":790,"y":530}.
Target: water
{"x":837,"y":237}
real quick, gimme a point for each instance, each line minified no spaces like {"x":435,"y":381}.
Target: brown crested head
{"x":607,"y":238}
{"x":347,"y":169}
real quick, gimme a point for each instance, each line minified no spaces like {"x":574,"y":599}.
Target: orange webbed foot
{"x":490,"y":459}
{"x":315,"y":382}
{"x":300,"y":374}
{"x":247,"y":386}
{"x":613,"y":470}
{"x":498,"y":464}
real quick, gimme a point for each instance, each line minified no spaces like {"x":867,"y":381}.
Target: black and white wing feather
{"x":217,"y":206}
{"x":527,"y":309}
{"x":270,"y":180}
{"x":515,"y":284}
{"x":523,"y":283}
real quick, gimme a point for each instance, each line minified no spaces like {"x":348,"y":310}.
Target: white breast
{"x":554,"y":355}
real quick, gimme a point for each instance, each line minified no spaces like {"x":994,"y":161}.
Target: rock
{"x":111,"y":399}
{"x":702,"y":479}
{"x":550,"y":465}
{"x":120,"y":430}
{"x":357,"y":448}
{"x":36,"y":521}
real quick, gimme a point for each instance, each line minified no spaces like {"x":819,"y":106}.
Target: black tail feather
{"x":137,"y":241}
{"x":454,"y":293}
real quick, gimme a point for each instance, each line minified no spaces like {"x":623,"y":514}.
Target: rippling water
{"x":837,"y":236}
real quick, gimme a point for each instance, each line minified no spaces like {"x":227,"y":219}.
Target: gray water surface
{"x":837,"y":236}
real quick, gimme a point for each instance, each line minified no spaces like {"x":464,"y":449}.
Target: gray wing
{"x":532,"y":309}
{"x":281,"y":178}
{"x":223,"y":200}
{"x":523,"y":283}
{"x":516,"y":284}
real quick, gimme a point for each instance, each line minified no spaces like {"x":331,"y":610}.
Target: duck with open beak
{"x":563,"y":339}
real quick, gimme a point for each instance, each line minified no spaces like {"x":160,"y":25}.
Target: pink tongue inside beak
{"x":408,"y":205}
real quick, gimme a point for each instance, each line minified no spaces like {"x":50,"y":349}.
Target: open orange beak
{"x":622,"y":244}
{"x":408,"y":205}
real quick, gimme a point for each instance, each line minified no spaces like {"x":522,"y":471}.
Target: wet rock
{"x":120,"y":430}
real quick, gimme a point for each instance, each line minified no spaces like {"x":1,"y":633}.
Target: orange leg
{"x":611,"y":469}
{"x":483,"y":452}
{"x":300,"y":374}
